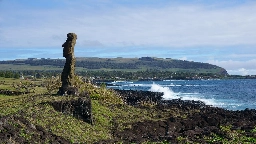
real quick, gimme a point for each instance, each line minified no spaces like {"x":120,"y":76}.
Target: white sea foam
{"x":122,"y":82}
{"x":140,"y":85}
{"x":169,"y":94}
{"x":230,"y":104}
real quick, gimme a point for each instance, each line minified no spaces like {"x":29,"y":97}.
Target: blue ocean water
{"x":229,"y":94}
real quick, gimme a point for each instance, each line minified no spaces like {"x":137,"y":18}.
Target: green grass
{"x":5,"y":97}
{"x":22,"y":67}
{"x":15,"y":84}
{"x":231,"y":136}
{"x":13,"y":104}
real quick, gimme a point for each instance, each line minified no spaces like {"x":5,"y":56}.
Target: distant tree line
{"x":112,"y":75}
{"x":117,"y":75}
{"x":34,"y":73}
{"x":9,"y":74}
{"x":146,"y":75}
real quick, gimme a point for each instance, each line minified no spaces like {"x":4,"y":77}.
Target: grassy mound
{"x":108,"y":110}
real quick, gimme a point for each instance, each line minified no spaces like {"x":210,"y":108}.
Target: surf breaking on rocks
{"x":169,"y":94}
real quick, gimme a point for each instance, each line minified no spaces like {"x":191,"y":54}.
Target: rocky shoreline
{"x":196,"y":121}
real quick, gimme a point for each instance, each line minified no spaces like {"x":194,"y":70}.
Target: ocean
{"x":235,"y":94}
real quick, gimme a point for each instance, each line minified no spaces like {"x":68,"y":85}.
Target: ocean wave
{"x":169,"y":94}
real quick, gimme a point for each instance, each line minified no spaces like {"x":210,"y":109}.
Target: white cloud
{"x":242,"y":71}
{"x":248,"y":55}
{"x":237,"y":67}
{"x":169,"y":26}
{"x":183,"y":58}
{"x":233,"y":65}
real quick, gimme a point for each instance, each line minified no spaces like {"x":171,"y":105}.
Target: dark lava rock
{"x":12,"y":93}
{"x":194,"y":127}
{"x":207,"y":120}
{"x":80,"y":108}
{"x":68,"y":91}
{"x":132,"y":97}
{"x":17,"y":129}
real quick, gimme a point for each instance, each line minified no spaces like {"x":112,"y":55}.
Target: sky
{"x":219,"y":32}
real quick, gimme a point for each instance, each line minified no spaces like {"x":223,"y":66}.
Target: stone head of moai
{"x":71,"y":36}
{"x":68,"y":46}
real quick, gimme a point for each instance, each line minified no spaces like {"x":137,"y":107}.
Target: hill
{"x":116,"y":64}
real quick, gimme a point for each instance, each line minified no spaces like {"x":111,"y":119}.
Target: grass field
{"x":4,"y":97}
{"x":27,"y":67}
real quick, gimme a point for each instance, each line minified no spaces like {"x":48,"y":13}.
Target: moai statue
{"x":68,"y":73}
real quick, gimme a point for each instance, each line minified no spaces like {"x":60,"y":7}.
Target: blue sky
{"x":217,"y":32}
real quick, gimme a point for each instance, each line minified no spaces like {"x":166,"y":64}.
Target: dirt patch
{"x":12,"y":93}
